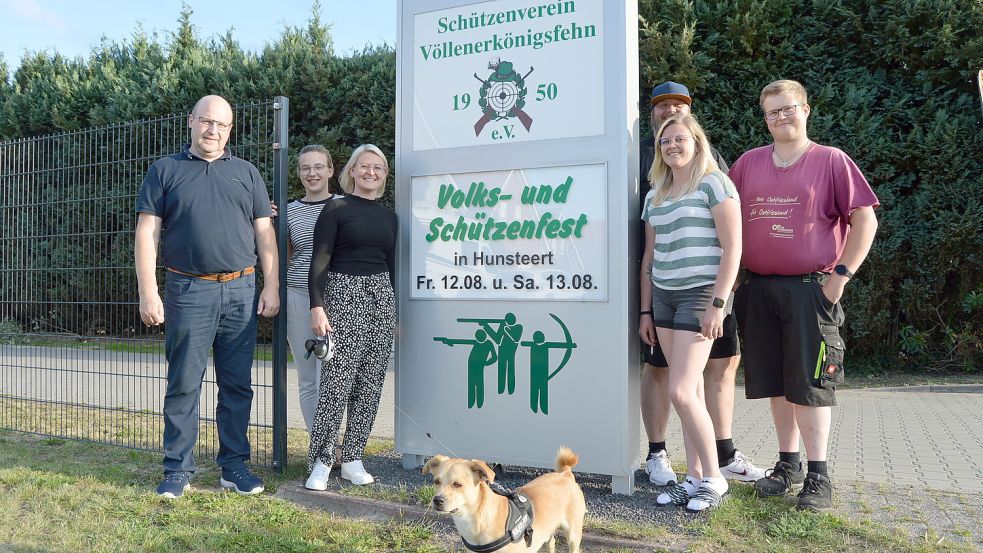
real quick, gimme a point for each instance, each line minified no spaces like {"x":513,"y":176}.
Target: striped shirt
{"x":687,"y":251}
{"x":301,"y":217}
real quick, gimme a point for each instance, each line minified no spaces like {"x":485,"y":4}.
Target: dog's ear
{"x":433,"y":463}
{"x":481,"y":471}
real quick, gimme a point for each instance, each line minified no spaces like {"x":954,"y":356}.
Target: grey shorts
{"x":683,"y":309}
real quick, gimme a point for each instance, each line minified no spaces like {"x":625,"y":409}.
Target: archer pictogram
{"x":503,"y":95}
{"x":506,"y":337}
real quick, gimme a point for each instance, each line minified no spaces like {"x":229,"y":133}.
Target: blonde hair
{"x":702,"y":164}
{"x":782,"y":86}
{"x":345,"y":178}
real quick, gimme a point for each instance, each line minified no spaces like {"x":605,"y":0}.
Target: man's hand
{"x":274,"y":209}
{"x":145,"y":244}
{"x":833,"y":289}
{"x":151,"y":309}
{"x":269,"y":302}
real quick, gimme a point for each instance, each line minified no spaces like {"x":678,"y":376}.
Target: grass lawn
{"x":58,"y":495}
{"x":64,"y":496}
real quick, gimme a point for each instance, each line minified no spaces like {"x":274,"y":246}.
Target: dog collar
{"x":518,"y":525}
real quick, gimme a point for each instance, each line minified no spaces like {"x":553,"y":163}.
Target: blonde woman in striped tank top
{"x":692,"y":253}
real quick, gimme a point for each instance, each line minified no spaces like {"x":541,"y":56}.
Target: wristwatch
{"x":843,"y":271}
{"x":718,"y":303}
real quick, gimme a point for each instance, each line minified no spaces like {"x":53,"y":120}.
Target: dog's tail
{"x":566,"y":460}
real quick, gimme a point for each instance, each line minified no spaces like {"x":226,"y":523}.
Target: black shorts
{"x":791,"y":333}
{"x":726,"y":346}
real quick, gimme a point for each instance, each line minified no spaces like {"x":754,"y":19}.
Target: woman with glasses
{"x":692,"y":252}
{"x":350,"y":289}
{"x":314,"y":169}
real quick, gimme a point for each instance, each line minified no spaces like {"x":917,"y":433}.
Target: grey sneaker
{"x":816,"y":494}
{"x":780,"y":480}
{"x":174,"y":484}
{"x":740,"y":468}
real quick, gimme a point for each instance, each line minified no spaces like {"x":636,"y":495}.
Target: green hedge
{"x":890,"y":82}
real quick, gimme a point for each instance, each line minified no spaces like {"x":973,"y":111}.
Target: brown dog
{"x":462,"y":489}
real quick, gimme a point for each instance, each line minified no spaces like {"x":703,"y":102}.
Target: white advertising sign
{"x":517,"y":199}
{"x":507,"y":71}
{"x":511,"y":235}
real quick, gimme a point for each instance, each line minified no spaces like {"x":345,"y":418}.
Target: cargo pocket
{"x":829,"y":365}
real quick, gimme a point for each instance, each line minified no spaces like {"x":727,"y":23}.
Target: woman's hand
{"x":319,"y":322}
{"x":646,"y":329}
{"x":713,"y":323}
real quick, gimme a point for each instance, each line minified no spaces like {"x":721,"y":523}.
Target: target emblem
{"x":503,"y":95}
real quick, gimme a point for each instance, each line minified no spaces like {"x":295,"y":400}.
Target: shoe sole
{"x":740,"y":477}
{"x":790,"y":491}
{"x":231,"y":486}
{"x":813,"y":509}
{"x":369,"y":481}
{"x":317,"y":487}
{"x":659,"y":482}
{"x":169,"y":495}
{"x":763,"y":494}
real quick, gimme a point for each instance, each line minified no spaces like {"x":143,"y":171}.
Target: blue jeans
{"x":200,"y":315}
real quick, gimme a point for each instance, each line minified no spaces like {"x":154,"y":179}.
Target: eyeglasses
{"x":365,"y":169}
{"x":678,"y":140}
{"x":787,"y":111}
{"x":319,"y":168}
{"x":206,"y":123}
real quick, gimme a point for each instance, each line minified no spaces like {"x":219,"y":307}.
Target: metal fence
{"x":75,"y":359}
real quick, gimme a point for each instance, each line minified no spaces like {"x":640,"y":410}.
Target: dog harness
{"x":518,"y":525}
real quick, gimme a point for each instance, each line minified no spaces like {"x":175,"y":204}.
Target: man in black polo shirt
{"x":211,"y":214}
{"x":670,"y":99}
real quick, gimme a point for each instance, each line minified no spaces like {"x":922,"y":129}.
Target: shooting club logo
{"x":496,"y":342}
{"x":502,"y":95}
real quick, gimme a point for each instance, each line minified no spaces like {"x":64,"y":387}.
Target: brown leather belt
{"x":218,"y":277}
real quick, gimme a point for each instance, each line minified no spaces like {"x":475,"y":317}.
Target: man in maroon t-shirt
{"x":809,"y":221}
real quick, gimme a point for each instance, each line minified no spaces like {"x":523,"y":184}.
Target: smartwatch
{"x":718,"y":303}
{"x":842,"y":271}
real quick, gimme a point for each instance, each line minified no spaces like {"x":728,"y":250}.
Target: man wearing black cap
{"x":670,"y":99}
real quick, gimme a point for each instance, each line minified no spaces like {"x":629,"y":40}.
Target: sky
{"x":73,"y":27}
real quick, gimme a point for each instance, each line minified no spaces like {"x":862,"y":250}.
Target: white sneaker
{"x":354,"y":472}
{"x":318,"y":479}
{"x":659,"y":470}
{"x":740,"y":468}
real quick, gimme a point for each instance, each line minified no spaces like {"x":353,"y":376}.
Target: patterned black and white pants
{"x":362,"y":312}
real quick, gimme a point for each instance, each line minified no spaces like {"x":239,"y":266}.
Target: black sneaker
{"x":174,"y":484}
{"x":816,"y":494}
{"x":779,"y":480}
{"x":241,"y":481}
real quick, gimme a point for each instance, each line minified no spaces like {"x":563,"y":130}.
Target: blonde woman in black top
{"x":351,"y":295}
